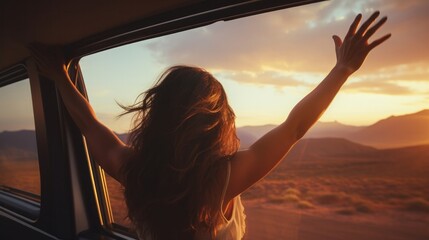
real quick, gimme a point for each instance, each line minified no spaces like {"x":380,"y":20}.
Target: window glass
{"x":19,"y":166}
{"x":362,"y":166}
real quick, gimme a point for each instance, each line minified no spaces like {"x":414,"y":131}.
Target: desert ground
{"x":295,"y":213}
{"x":272,"y":222}
{"x":20,"y":170}
{"x":355,"y":193}
{"x":324,"y":189}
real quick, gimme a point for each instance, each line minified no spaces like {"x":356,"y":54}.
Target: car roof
{"x":65,"y":22}
{"x":79,"y":22}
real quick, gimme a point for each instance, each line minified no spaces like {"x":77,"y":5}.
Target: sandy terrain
{"x":369,"y":194}
{"x":325,"y":189}
{"x":265,"y":222}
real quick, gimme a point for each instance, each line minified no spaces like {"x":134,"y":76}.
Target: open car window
{"x":360,"y":173}
{"x":19,"y":164}
{"x":19,"y":167}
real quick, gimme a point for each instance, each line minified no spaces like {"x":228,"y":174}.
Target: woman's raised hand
{"x":352,"y":51}
{"x":49,"y":60}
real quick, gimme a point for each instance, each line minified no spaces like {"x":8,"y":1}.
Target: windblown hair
{"x":184,"y":134}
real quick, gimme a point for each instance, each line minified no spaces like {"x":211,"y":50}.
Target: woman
{"x":182,"y":171}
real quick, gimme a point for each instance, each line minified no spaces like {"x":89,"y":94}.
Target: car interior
{"x":343,"y":180}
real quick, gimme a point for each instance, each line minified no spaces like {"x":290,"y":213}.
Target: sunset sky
{"x":268,"y":62}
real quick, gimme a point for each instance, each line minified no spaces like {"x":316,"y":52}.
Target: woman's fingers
{"x":377,"y":42}
{"x":374,"y":28}
{"x":367,"y":23}
{"x":363,"y":34}
{"x":353,"y":26}
{"x":338,"y":42}
{"x":352,"y":51}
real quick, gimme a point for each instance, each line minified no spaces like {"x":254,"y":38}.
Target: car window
{"x":361,"y":172}
{"x":19,"y":166}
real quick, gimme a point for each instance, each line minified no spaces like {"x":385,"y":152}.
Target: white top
{"x":233,"y":228}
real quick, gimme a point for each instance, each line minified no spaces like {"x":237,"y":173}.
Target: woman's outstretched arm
{"x":103,"y":144}
{"x":251,"y":165}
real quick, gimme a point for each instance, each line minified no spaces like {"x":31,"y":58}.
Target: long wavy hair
{"x":183,"y":135}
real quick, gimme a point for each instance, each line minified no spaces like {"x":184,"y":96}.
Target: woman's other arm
{"x":251,"y":165}
{"x":103,"y":144}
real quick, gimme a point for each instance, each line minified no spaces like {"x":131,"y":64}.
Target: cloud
{"x":298,"y":41}
{"x":388,"y":88}
{"x":395,"y":80}
{"x":418,"y":72}
{"x":279,"y":38}
{"x":268,"y":77}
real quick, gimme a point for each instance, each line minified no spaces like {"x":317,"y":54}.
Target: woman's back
{"x":183,"y":138}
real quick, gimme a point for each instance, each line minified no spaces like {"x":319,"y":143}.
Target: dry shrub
{"x":293,"y":191}
{"x":303,"y":190}
{"x":417,"y":205}
{"x":345,"y":211}
{"x":305,"y":204}
{"x":328,"y":198}
{"x":363,"y":207}
{"x":360,"y":204}
{"x":398,"y":195}
{"x":291,"y":198}
{"x":291,"y":184}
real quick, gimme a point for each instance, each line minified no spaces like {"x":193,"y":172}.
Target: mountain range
{"x":24,"y":140}
{"x":392,"y":132}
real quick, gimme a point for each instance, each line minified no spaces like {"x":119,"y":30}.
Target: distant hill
{"x":396,"y":131}
{"x":326,"y":156}
{"x":255,"y":131}
{"x":23,"y":139}
{"x":331,"y":129}
{"x":18,"y":145}
{"x":315,"y":149}
{"x":328,"y":147}
{"x":123,"y":137}
{"x":337,"y":158}
{"x":249,"y":134}
{"x":393,"y":132}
